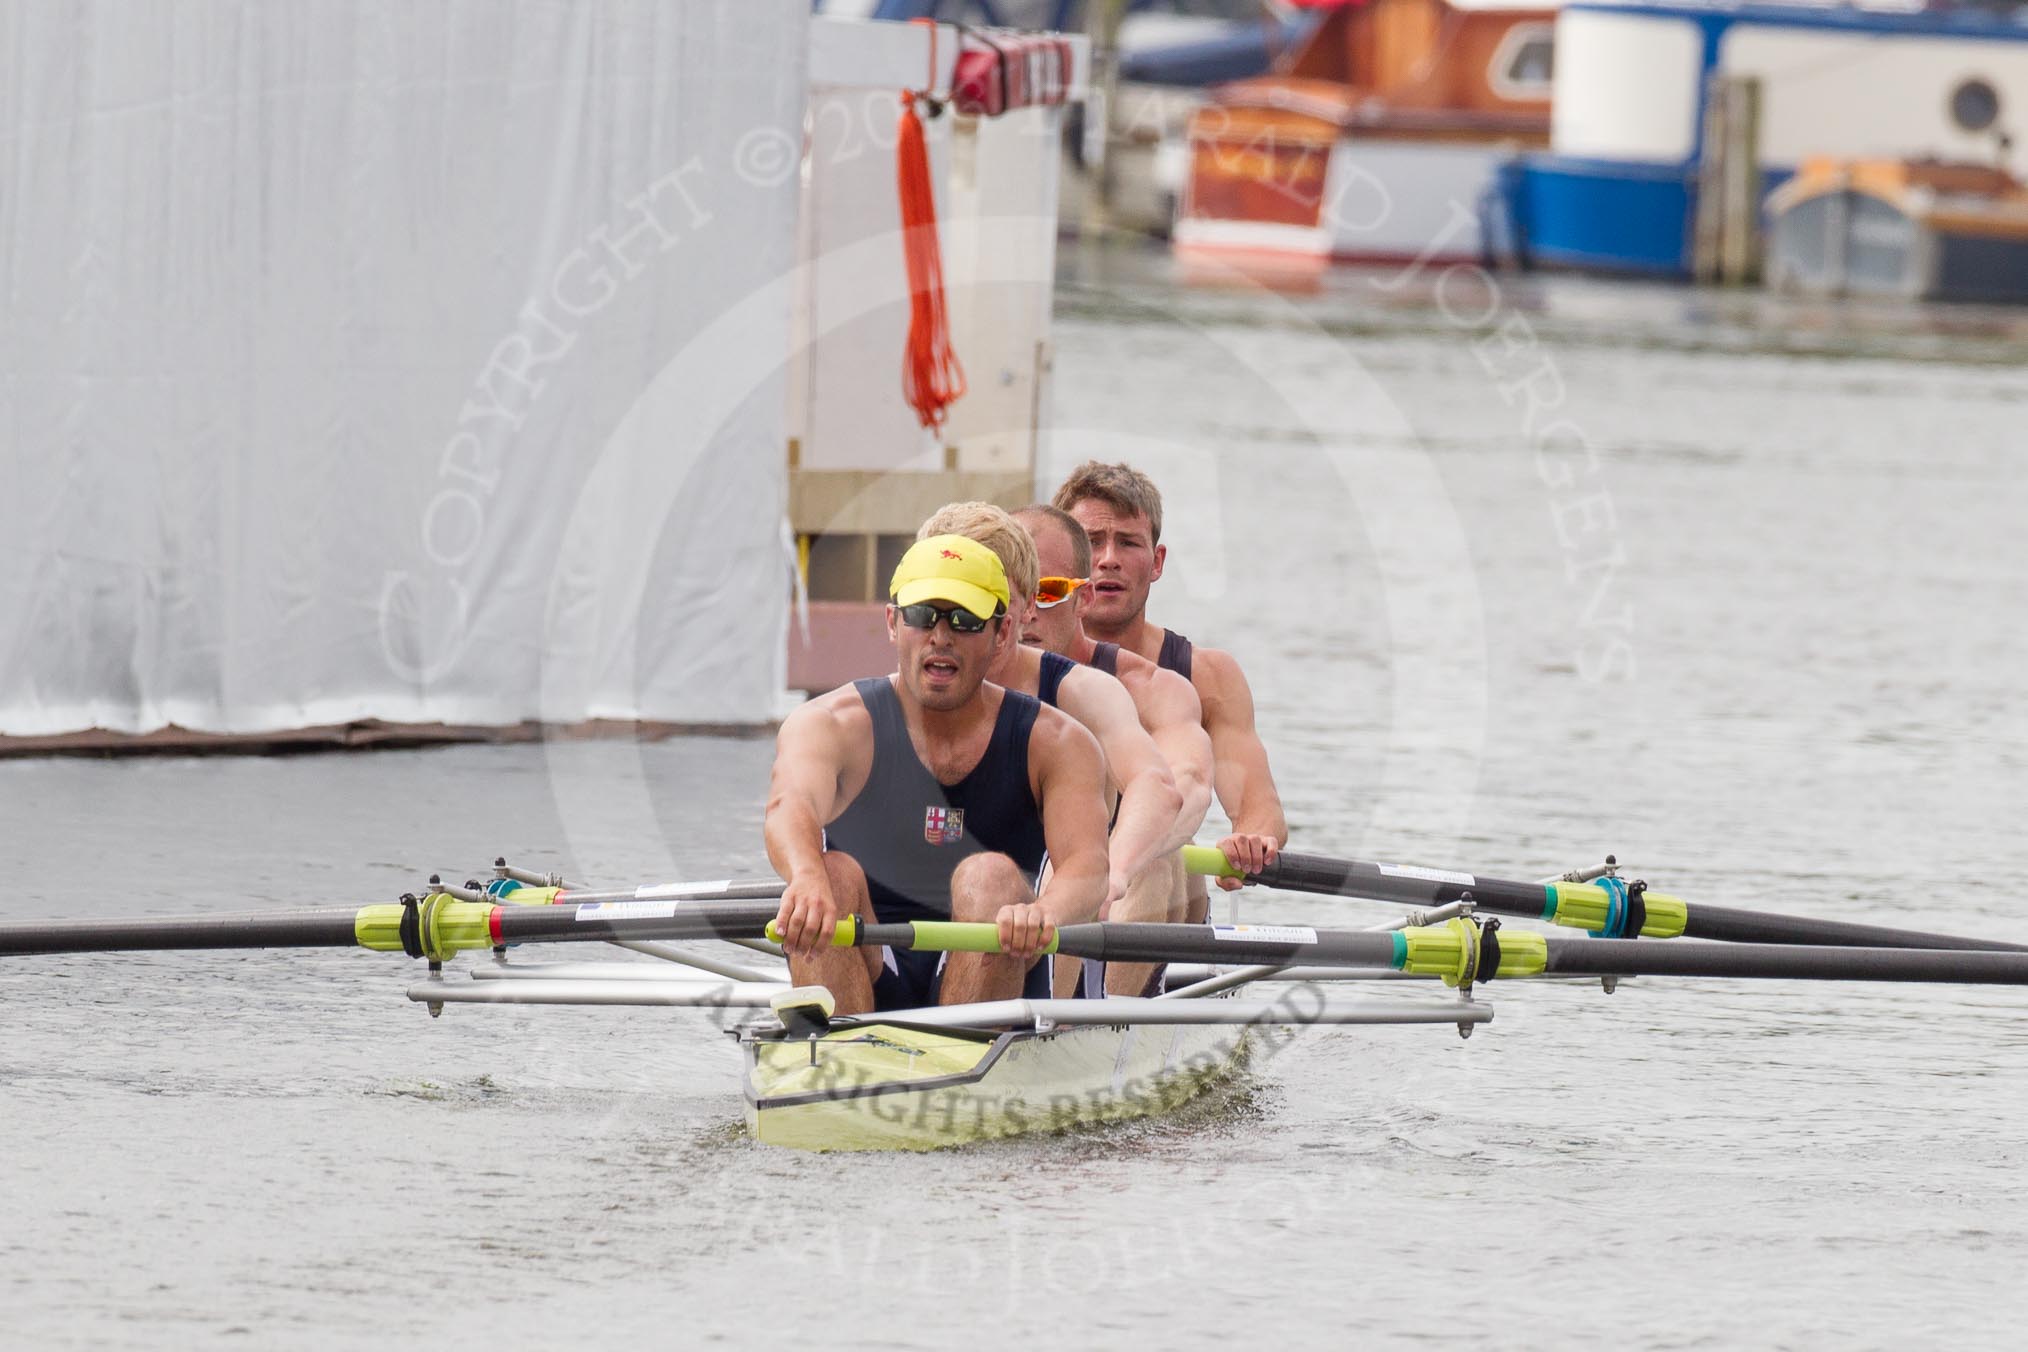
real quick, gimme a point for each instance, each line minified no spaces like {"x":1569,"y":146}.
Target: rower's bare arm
{"x":1246,"y":787}
{"x":1175,"y":719}
{"x":1149,"y":799}
{"x":811,"y":752}
{"x":1069,"y":781}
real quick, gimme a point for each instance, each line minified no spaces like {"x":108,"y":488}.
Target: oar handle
{"x":1208,"y":861}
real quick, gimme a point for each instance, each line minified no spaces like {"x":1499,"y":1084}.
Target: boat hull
{"x":1380,"y":200}
{"x":1918,"y":230}
{"x":886,"y":1087}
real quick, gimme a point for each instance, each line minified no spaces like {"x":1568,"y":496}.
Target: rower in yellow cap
{"x":935,"y":794}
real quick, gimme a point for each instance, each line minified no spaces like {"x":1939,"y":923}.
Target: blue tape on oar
{"x":1616,"y":908}
{"x":500,"y":887}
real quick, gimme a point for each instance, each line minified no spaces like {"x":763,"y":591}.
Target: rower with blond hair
{"x":1166,"y":702}
{"x":934,"y":793}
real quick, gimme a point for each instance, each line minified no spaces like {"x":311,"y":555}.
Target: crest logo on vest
{"x":943,"y":825}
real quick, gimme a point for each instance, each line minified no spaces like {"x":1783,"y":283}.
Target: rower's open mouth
{"x":939,"y":666}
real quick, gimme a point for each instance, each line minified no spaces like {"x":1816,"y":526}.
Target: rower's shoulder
{"x":1100,"y":700}
{"x":1057,"y":732}
{"x":840,"y":712}
{"x":1222,"y":663}
{"x":1217,"y":677}
{"x":1152,"y":683}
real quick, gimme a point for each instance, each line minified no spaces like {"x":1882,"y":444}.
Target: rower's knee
{"x":983,"y":883}
{"x":1155,"y":896}
{"x":848,"y":889}
{"x":848,"y":880}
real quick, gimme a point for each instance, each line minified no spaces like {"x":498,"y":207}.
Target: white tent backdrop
{"x":329,"y":334}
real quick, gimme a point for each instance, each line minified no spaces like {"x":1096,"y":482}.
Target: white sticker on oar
{"x":626,"y":910}
{"x":1265,"y":934}
{"x":1428,"y":875}
{"x":656,"y":890}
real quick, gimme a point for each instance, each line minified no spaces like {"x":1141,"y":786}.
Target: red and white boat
{"x":1378,"y":139}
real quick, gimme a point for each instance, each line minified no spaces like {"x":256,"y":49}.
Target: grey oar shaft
{"x":748,"y":890}
{"x":1126,"y":942}
{"x":1327,"y":876}
{"x":1805,"y":962}
{"x":1122,"y":941}
{"x":294,"y":929}
{"x":636,"y":920}
{"x":1729,"y":925}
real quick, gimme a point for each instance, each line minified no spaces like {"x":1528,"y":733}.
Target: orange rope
{"x":931,"y":378}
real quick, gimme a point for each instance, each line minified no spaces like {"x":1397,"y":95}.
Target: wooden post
{"x":1704,"y":229}
{"x":1102,"y":23}
{"x":1739,"y":247}
{"x":1725,"y":238}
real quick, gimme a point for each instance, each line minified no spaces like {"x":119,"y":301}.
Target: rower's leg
{"x":1158,"y":896}
{"x":981,"y":886}
{"x":1064,"y":974}
{"x":1064,"y":971}
{"x":846,"y":972}
{"x":1198,"y":909}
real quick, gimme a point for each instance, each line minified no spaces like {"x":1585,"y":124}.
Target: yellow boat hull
{"x":882,"y":1087}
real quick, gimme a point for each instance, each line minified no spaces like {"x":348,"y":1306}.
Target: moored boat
{"x":1375,"y":140}
{"x":1620,"y":188}
{"x":1917,"y":229}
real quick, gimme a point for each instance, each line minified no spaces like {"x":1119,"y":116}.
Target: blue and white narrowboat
{"x":1616,"y":190}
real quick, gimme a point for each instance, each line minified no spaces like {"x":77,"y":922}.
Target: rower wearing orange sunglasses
{"x":1168,"y":707}
{"x":1147,"y":830}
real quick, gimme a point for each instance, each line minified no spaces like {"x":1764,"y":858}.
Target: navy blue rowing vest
{"x":1106,"y":657}
{"x":909,"y":833}
{"x":1175,"y":653}
{"x":1055,"y":666}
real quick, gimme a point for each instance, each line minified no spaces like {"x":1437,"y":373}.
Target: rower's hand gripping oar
{"x":1608,"y":908}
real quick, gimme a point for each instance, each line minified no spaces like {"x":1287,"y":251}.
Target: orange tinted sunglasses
{"x":1054,"y":591}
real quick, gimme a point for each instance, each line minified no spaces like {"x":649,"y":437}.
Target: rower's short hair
{"x":992,"y":527}
{"x":1080,"y":543}
{"x":1121,"y":487}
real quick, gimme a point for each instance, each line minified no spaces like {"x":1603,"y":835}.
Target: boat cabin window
{"x":1524,"y":62}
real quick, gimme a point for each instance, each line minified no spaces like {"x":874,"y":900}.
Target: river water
{"x":1523,"y":572}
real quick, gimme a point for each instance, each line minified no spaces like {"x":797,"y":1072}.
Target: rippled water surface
{"x":1521,"y":574}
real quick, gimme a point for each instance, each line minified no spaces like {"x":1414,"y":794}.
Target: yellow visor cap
{"x":954,"y":568}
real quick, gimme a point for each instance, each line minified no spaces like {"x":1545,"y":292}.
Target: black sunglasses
{"x":923,"y":615}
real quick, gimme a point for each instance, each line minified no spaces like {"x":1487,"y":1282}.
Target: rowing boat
{"x":920,"y":1079}
{"x":951,"y":1075}
{"x":901,"y":1086}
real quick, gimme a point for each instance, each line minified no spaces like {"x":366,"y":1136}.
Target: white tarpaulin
{"x":411,"y":360}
